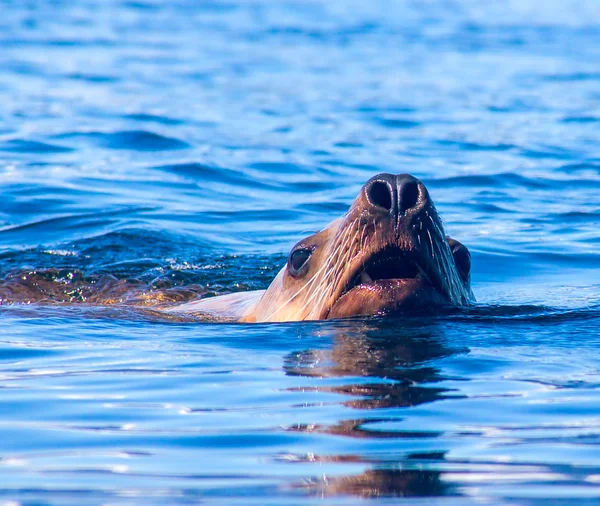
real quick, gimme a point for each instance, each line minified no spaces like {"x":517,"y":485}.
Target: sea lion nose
{"x":408,"y":192}
{"x":394,"y":194}
{"x":380,"y":192}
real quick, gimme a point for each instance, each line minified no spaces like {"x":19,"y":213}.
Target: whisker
{"x":317,"y":298}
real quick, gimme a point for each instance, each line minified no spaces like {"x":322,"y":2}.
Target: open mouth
{"x":388,"y":264}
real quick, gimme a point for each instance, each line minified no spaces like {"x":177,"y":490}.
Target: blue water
{"x":153,"y":152}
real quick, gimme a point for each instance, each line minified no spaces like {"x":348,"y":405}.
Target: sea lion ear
{"x":462,"y":258}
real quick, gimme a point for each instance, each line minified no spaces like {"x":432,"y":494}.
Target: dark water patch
{"x":113,"y":249}
{"x":573,"y":168}
{"x":491,"y":208}
{"x":347,"y":168}
{"x":508,"y":180}
{"x":19,"y":353}
{"x":502,"y":180}
{"x":58,"y":42}
{"x":25,"y":68}
{"x":582,"y":259}
{"x":320,"y":152}
{"x":281,"y":168}
{"x":475,"y":146}
{"x":506,"y":314}
{"x":552,"y":152}
{"x":154,"y":118}
{"x":513,"y":261}
{"x":135,"y":5}
{"x":568,"y":77}
{"x":502,"y":263}
{"x":132,"y":243}
{"x":51,"y":188}
{"x":387,"y":108}
{"x":52,"y":229}
{"x":283,"y":129}
{"x":92,"y":78}
{"x":340,"y":35}
{"x":201,"y":172}
{"x":264,"y":215}
{"x":136,"y":140}
{"x":196,"y":171}
{"x":399,"y":123}
{"x":313,"y":186}
{"x":580,"y":119}
{"x":34,"y":147}
{"x":330,"y":206}
{"x":205,"y":7}
{"x":69,"y":42}
{"x":579,"y":217}
{"x":348,"y":144}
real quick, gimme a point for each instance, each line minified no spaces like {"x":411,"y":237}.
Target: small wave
{"x":153,"y":118}
{"x":510,"y":179}
{"x":348,"y":144}
{"x":282,"y":168}
{"x":54,"y":231}
{"x":509,"y":314}
{"x":580,"y":216}
{"x":573,"y":76}
{"x":72,"y":220}
{"x":333,"y":34}
{"x":398,"y":123}
{"x":202,"y":172}
{"x":572,"y":168}
{"x":26,"y":146}
{"x":136,"y":140}
{"x":500,"y":180}
{"x":580,"y":119}
{"x":92,"y":78}
{"x":475,"y":146}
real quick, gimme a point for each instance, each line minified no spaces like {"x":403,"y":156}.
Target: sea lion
{"x":388,"y":252}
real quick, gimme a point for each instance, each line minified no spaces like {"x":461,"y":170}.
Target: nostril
{"x":380,"y":194}
{"x":408,"y":196}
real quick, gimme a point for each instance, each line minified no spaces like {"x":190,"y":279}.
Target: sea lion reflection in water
{"x":389,"y":252}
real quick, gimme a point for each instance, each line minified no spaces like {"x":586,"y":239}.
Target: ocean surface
{"x":154,"y":152}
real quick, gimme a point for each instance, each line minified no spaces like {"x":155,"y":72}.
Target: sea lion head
{"x":389,"y":252}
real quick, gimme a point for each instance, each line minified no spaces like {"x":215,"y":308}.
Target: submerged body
{"x":389,"y":252}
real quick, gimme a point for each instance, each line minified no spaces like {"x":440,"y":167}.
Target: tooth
{"x":365,"y":278}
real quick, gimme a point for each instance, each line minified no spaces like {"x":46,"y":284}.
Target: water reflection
{"x":388,"y":364}
{"x":399,"y":352}
{"x":385,"y":482}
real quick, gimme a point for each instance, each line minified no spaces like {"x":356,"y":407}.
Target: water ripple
{"x":34,"y":147}
{"x":138,"y":140}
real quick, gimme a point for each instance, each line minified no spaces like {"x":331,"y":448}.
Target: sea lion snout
{"x":395,"y":194}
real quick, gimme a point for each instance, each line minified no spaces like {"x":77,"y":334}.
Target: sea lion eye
{"x":298,"y":261}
